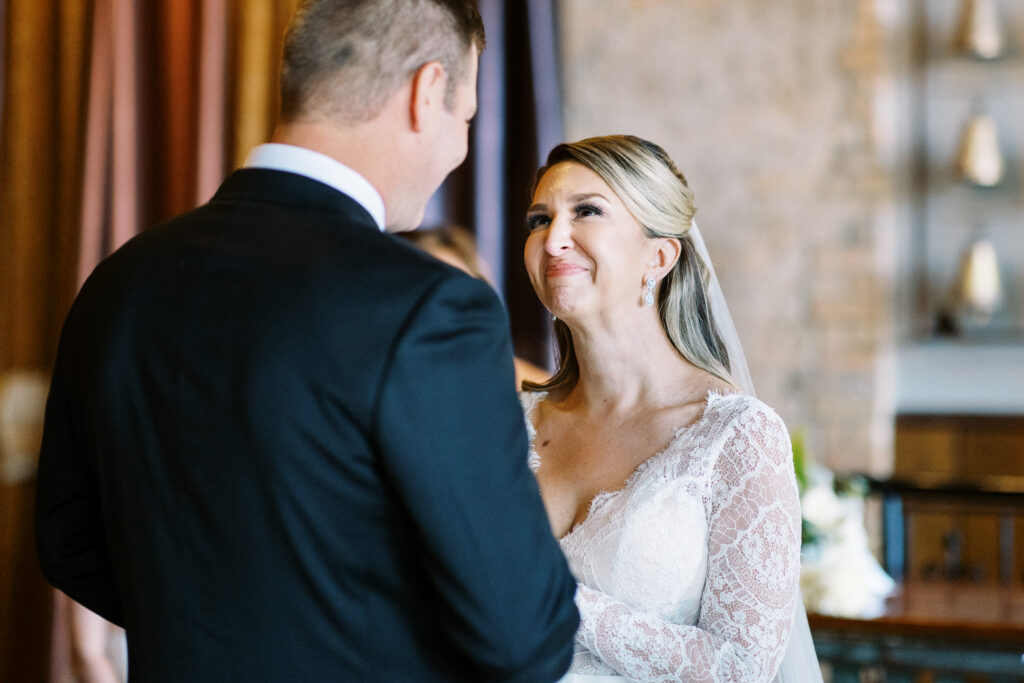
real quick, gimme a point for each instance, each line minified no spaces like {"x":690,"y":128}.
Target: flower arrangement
{"x":839,"y":576}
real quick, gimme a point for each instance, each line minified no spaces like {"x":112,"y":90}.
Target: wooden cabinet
{"x":975,"y":537}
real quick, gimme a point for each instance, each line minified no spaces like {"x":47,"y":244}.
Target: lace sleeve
{"x":753,"y":567}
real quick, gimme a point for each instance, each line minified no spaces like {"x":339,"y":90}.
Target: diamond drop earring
{"x":649,"y":299}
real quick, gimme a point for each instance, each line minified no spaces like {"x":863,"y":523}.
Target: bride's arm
{"x":753,"y":568}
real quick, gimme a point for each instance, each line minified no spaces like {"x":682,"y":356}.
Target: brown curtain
{"x":114,"y":115}
{"x":258,"y":27}
{"x":40,"y":179}
{"x":45,"y":46}
{"x":181,"y":90}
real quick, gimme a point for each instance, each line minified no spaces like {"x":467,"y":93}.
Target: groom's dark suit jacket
{"x":282,"y":445}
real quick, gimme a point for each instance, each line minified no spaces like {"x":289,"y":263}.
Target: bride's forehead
{"x":570,"y":177}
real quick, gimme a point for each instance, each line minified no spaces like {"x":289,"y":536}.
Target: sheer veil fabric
{"x":799,"y":663}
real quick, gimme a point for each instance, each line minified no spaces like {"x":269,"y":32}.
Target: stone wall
{"x":781,"y":115}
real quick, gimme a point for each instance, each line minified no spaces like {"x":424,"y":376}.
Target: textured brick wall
{"x":776,"y":112}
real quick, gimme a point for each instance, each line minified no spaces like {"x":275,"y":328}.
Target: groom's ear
{"x":427,"y":94}
{"x":665,"y":251}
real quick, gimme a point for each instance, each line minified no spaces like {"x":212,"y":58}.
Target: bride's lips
{"x":563,"y":269}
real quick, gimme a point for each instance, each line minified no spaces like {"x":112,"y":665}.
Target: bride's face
{"x":585,"y":253}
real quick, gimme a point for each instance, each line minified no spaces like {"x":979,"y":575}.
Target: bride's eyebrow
{"x":575,"y":199}
{"x":587,"y":195}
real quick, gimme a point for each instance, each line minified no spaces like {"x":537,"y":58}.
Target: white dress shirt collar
{"x":320,"y":167}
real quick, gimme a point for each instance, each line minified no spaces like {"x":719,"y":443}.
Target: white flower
{"x":839,"y":575}
{"x":821,"y":506}
{"x":846,"y":582}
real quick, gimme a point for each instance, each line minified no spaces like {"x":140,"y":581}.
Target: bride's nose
{"x":559,"y":236}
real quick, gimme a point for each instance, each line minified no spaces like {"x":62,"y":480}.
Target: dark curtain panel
{"x":518,"y":121}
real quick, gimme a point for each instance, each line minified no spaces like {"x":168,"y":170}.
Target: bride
{"x":670,"y":487}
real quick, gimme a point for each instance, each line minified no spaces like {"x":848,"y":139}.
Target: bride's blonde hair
{"x":657,"y":195}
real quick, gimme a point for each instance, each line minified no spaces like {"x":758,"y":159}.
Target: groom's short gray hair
{"x":344,"y":58}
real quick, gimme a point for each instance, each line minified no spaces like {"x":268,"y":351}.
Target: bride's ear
{"x":664,"y":252}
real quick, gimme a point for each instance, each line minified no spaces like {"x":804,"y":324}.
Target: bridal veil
{"x":799,"y":663}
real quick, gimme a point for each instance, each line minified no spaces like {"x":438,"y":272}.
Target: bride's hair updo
{"x":656,"y":193}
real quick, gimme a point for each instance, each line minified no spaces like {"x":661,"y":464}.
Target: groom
{"x":280,"y":444}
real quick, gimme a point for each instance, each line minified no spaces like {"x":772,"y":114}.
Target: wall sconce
{"x":979,"y":160}
{"x":979,"y":31}
{"x":978,"y":291}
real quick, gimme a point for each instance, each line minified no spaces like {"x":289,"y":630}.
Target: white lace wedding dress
{"x":690,"y":571}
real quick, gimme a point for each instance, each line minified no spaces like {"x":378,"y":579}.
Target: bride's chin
{"x":562,"y":301}
{"x":560,"y":310}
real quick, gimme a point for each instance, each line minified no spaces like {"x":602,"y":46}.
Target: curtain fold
{"x":97,"y":143}
{"x":177,"y":53}
{"x":211,"y":119}
{"x":3,"y":55}
{"x":74,"y":45}
{"x":43,"y":88}
{"x":40,"y":141}
{"x":258,"y":38}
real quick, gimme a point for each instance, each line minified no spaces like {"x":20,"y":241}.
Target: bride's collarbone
{"x":569,"y":441}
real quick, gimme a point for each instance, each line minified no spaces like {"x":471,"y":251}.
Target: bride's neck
{"x":628,"y":365}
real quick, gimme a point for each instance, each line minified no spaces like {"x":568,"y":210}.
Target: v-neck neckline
{"x":608,"y":494}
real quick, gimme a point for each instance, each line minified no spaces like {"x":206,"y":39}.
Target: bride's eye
{"x":588,"y":210}
{"x":537,"y":220}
